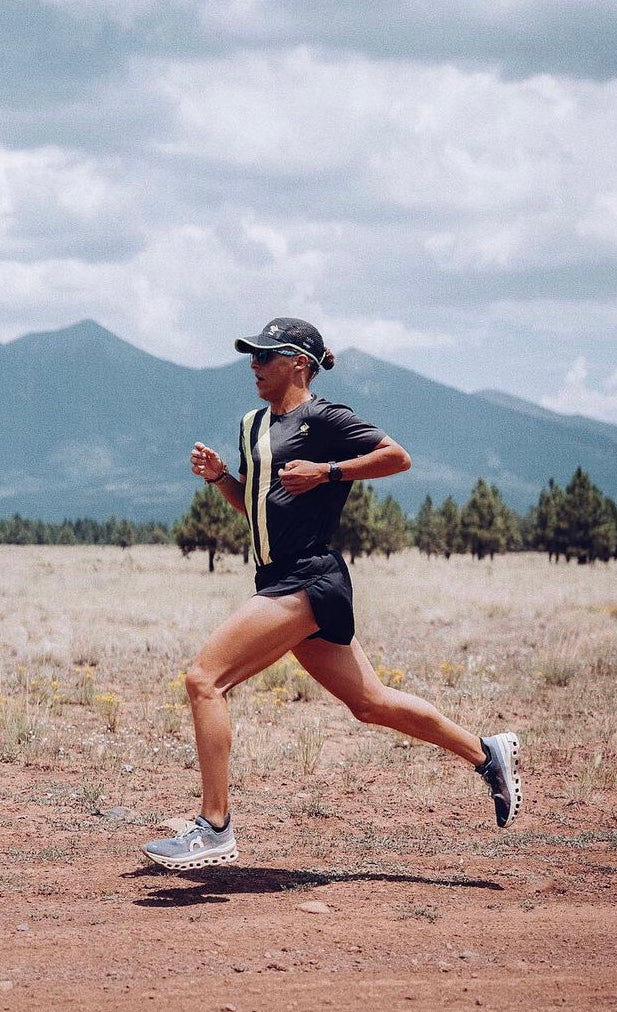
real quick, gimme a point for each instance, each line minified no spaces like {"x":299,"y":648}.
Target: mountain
{"x":91,"y":425}
{"x":580,"y":422}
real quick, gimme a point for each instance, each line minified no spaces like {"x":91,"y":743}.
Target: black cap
{"x":286,"y":332}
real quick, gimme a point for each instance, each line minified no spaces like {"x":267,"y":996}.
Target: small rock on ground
{"x":314,"y":907}
{"x":177,"y":825}
{"x":120,"y":814}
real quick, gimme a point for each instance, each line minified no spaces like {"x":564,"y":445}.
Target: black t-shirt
{"x":293,"y":526}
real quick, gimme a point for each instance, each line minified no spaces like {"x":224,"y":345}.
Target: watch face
{"x":335,"y":472}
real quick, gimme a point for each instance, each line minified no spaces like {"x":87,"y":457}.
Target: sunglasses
{"x":263,"y":356}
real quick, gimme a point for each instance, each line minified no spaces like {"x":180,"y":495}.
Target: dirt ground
{"x":421,"y":902}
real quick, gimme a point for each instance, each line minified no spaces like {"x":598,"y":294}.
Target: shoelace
{"x":188,"y":829}
{"x":493,"y":789}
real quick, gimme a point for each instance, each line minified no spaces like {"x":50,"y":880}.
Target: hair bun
{"x":327,"y":361}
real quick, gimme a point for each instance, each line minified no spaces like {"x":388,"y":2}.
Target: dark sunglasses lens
{"x":261,"y":357}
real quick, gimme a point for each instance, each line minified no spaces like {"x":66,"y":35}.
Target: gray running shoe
{"x":196,"y":846}
{"x":500,"y":772}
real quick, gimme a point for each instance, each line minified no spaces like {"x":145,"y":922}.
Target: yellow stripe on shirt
{"x":264,"y":450}
{"x":247,"y":423}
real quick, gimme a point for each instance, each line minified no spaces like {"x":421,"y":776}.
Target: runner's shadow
{"x":216,"y":885}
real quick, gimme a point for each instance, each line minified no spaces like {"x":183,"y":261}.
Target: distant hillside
{"x":91,"y":425}
{"x":579,"y":422}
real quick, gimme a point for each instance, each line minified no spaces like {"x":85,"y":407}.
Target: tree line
{"x":367,"y":525}
{"x":17,"y":530}
{"x":577,"y":522}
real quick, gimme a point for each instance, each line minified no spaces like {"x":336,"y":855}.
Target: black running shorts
{"x":326,"y":580}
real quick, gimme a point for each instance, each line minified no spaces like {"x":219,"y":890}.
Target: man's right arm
{"x":233,"y":490}
{"x":209,"y":465}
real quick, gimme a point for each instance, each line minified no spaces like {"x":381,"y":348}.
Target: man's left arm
{"x":387,"y":458}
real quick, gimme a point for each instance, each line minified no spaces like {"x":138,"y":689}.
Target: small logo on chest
{"x":304,"y":429}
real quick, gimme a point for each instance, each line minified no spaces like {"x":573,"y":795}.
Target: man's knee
{"x":368,"y":710}
{"x":202,"y":682}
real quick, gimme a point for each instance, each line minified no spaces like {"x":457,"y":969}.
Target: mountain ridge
{"x":531,"y":408}
{"x":92,"y":425}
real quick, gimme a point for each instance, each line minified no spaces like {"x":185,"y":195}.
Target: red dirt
{"x":428,"y":909}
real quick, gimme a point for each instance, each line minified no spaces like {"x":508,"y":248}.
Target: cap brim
{"x":246,"y":345}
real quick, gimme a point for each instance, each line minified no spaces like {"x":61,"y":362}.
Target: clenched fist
{"x":300,"y":476}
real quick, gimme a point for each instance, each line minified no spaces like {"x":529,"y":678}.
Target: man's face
{"x":274,"y":376}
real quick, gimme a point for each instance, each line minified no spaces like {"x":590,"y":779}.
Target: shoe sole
{"x":510,"y":748}
{"x":192,"y":863}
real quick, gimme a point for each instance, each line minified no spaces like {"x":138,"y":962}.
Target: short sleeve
{"x":348,"y":434}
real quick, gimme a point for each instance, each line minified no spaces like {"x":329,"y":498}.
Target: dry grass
{"x":95,"y":643}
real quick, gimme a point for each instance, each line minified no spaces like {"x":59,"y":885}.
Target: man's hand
{"x":300,"y":476}
{"x":206,"y":462}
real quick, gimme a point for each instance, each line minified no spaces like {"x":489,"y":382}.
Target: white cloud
{"x":601,"y":220}
{"x":49,"y":176}
{"x":576,"y":397}
{"x":498,"y":175}
{"x":381,"y":337}
{"x":56,"y":201}
{"x":399,"y":204}
{"x":506,"y":173}
{"x":184,"y":296}
{"x":564,"y":319}
{"x":295,"y":115}
{"x":179,"y":297}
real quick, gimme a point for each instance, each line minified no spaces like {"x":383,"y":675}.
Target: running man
{"x":298,"y":458}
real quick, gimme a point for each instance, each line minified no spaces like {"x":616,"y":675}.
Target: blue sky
{"x":435,"y":183}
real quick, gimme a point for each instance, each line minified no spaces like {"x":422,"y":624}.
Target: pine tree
{"x":124,"y":534}
{"x":604,"y":532}
{"x":430,"y":529}
{"x":391,"y":527}
{"x":483,"y":521}
{"x":508,"y":523}
{"x":109,"y":529}
{"x":528,"y":524}
{"x":158,"y":534}
{"x":451,"y":518}
{"x":18,"y":531}
{"x":582,"y":512}
{"x":357,"y":530}
{"x":65,"y":534}
{"x":41,"y":532}
{"x":87,"y":531}
{"x":551,"y":529}
{"x":610,"y":512}
{"x":209,"y":525}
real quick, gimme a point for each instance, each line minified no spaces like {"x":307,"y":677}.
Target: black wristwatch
{"x":335,"y":473}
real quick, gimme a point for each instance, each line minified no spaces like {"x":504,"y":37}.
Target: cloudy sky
{"x":432,"y":182}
